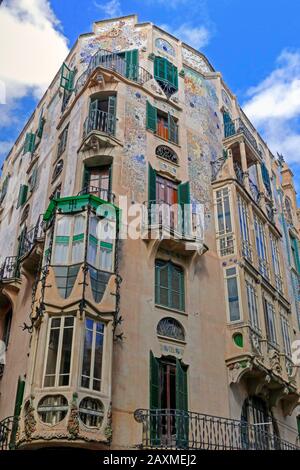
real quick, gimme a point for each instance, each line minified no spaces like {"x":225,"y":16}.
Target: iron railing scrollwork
{"x":114,"y":62}
{"x":177,"y":429}
{"x":32,"y":236}
{"x":103,"y":193}
{"x":7,"y":426}
{"x":101,"y":121}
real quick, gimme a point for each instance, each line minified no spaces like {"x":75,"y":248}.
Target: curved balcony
{"x":177,"y":429}
{"x":30,"y":251}
{"x":176,"y":228}
{"x":237,"y":126}
{"x":101,"y":193}
{"x":112,"y":61}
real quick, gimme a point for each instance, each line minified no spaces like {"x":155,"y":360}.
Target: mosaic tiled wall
{"x":134,"y":166}
{"x":204,"y":137}
{"x":114,"y":36}
{"x":195,"y":61}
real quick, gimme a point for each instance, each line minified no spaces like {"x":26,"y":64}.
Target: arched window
{"x":169,"y":285}
{"x":288,"y":209}
{"x":171,"y":328}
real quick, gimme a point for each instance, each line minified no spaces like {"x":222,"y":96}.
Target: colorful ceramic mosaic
{"x":165,"y":46}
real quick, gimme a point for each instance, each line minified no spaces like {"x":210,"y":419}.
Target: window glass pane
{"x":77,"y":251}
{"x":105,"y":258}
{"x":79,"y":225}
{"x":87,"y":353}
{"x":93,"y":226}
{"x":98,"y":360}
{"x":220,"y":217}
{"x":60,"y":253}
{"x":66,"y":351}
{"x":52,"y":352}
{"x":92,"y":251}
{"x":233,"y":299}
{"x":63,"y":226}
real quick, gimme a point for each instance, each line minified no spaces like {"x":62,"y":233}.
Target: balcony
{"x":113,"y":62}
{"x":10,"y":269}
{"x":176,"y":429}
{"x":30,"y":249}
{"x":99,"y":130}
{"x":237,"y":126}
{"x":102,"y":193}
{"x":175,"y":228}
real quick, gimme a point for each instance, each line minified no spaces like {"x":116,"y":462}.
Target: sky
{"x":254,"y":44}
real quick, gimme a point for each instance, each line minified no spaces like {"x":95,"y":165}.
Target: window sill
{"x":169,"y":309}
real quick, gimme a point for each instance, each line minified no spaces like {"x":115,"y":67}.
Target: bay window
{"x":244,"y":226}
{"x":69,"y":240}
{"x":260,"y":238}
{"x":223,"y":222}
{"x":59,"y":351}
{"x":100,"y":250}
{"x":270,"y":322}
{"x":252,"y":306}
{"x":91,"y":374}
{"x":232,"y":294}
{"x":276,"y":262}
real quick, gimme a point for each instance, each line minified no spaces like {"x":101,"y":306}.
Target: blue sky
{"x":255,"y":44}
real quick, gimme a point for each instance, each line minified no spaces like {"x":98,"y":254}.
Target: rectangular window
{"x":232,"y":295}
{"x":276,"y":262}
{"x":295,"y":253}
{"x":62,"y":141}
{"x":260,"y":239}
{"x":169,"y":285}
{"x":161,"y":123}
{"x":244,"y":226}
{"x":285,"y":331}
{"x":252,"y":306}
{"x":68,"y":246}
{"x":270,"y":322}
{"x":100,"y":253}
{"x":223,"y":222}
{"x":59,"y":351}
{"x":92,"y":355}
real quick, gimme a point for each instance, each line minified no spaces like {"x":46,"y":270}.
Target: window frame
{"x":237,"y":277}
{"x":261,"y":246}
{"x":275,"y":255}
{"x":92,"y":361}
{"x":100,"y":244}
{"x":285,"y":329}
{"x":252,"y":302}
{"x":71,"y":235}
{"x":181,"y":293}
{"x":244,"y":218}
{"x":59,"y":350}
{"x":224,"y":235}
{"x":273,"y":341}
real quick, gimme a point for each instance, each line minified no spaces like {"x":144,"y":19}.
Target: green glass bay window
{"x":166,"y":74}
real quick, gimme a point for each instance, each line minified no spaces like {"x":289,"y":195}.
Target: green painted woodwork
{"x":184,"y":200}
{"x":151,"y":117}
{"x":22,"y":195}
{"x":182,"y":420}
{"x":132,"y":64}
{"x":238,"y":340}
{"x":67,"y":77}
{"x":165,"y":71}
{"x":29,"y":144}
{"x":151,"y":184}
{"x":17,"y":411}
{"x":155,"y":402}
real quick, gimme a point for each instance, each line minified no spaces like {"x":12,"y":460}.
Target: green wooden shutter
{"x":17,"y":411}
{"x":172,"y":126}
{"x":131,"y":58}
{"x":67,"y":77}
{"x":33,"y":179}
{"x":86,"y":178}
{"x":155,"y":404}
{"x":22,"y":195}
{"x":182,"y":420}
{"x":151,"y":117}
{"x":111,"y":125}
{"x":29,"y":143}
{"x":4,"y":188}
{"x":184,"y":201}
{"x":40,"y":128}
{"x":229,"y":129}
{"x":160,"y":68}
{"x":151,"y":184}
{"x":21,"y":241}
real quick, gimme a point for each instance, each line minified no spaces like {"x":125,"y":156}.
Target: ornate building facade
{"x":158,"y":340}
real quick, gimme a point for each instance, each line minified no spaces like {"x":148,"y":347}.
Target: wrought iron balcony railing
{"x":173,"y":218}
{"x":102,"y":193}
{"x":10,"y":269}
{"x":8,"y":427}
{"x":116,"y":63}
{"x":175,"y":429}
{"x":99,"y":121}
{"x":238,"y":126}
{"x":32,"y":236}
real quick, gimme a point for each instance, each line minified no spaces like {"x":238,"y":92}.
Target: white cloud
{"x":111,"y":8}
{"x":274,"y":106}
{"x":196,"y":37}
{"x":5,"y":147}
{"x":32,"y":53}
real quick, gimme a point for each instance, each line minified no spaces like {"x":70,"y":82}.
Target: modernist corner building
{"x":166,"y":342}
